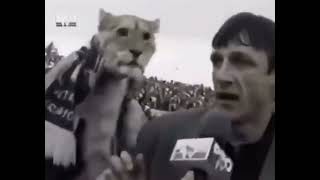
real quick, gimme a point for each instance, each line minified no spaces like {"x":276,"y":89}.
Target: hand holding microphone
{"x":189,"y":176}
{"x":125,"y":168}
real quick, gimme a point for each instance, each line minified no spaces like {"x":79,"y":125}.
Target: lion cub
{"x":126,"y":44}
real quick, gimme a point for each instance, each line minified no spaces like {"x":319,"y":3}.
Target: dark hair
{"x":261,"y":32}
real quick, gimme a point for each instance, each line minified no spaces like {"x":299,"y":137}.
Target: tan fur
{"x":116,"y":49}
{"x":101,"y":109}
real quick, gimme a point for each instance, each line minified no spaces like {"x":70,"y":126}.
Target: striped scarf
{"x":63,"y":93}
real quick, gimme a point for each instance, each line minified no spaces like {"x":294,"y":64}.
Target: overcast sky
{"x":186,"y":29}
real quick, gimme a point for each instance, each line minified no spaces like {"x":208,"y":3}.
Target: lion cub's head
{"x":126,"y":43}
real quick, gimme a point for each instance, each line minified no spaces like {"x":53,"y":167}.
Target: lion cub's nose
{"x":135,"y":53}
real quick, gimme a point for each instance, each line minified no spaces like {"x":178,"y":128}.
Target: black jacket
{"x":158,"y":137}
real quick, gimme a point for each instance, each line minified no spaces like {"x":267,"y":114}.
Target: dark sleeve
{"x":147,"y":142}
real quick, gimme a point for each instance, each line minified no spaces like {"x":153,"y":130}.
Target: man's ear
{"x":273,"y":89}
{"x":274,"y":107}
{"x":273,"y":83}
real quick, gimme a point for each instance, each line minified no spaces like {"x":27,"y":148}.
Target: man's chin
{"x":246,"y":134}
{"x":225,"y":108}
{"x":239,"y":117}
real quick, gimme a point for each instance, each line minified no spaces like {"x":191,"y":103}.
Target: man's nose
{"x":223,"y":76}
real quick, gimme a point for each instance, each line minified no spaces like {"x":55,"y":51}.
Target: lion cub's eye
{"x":146,"y":36}
{"x":122,"y":32}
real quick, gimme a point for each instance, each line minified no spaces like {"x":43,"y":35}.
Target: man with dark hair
{"x":243,"y":61}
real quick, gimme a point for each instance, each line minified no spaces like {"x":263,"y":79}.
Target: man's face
{"x":243,"y":87}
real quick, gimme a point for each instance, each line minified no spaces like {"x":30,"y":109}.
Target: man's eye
{"x":122,"y":32}
{"x":241,"y":60}
{"x":216,"y":59}
{"x":146,"y":36}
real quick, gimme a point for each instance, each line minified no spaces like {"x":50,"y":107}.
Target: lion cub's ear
{"x":103,"y":14}
{"x":105,"y":20}
{"x":155,"y":25}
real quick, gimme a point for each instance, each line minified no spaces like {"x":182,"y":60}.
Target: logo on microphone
{"x":222,"y":162}
{"x":202,"y":149}
{"x":192,"y":149}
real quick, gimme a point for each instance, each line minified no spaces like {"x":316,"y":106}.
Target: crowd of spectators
{"x":172,"y":96}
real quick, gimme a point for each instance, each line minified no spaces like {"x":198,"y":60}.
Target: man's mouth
{"x":227,"y":96}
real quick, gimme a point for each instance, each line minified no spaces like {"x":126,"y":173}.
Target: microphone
{"x":204,"y":154}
